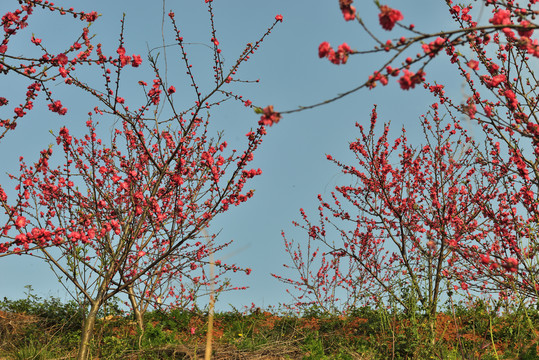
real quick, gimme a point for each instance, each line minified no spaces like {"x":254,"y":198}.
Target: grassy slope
{"x":35,"y":328}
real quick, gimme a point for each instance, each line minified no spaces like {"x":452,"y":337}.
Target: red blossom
{"x":155,"y":92}
{"x":63,"y":72}
{"x":494,"y":81}
{"x":269,"y":116}
{"x":527,"y":32}
{"x":62,"y":59}
{"x":511,"y":264}
{"x":323,"y":49}
{"x":91,"y":17}
{"x":377,"y":76}
{"x":409,"y":80}
{"x":19,"y":112}
{"x":341,"y":55}
{"x":473,"y":64}
{"x":20,"y":222}
{"x":388,"y":17}
{"x":501,"y":17}
{"x":57,"y":107}
{"x":348,"y":11}
{"x":125,"y":60}
{"x":512,"y":102}
{"x":432,"y":48}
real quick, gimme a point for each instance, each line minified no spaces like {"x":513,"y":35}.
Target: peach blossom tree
{"x":126,"y":216}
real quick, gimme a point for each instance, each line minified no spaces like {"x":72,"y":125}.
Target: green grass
{"x":37,"y":328}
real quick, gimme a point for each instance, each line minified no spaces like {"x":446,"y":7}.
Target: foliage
{"x":366,"y":333}
{"x":68,"y":315}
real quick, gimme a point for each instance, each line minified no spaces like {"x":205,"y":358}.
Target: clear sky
{"x":292,"y":156}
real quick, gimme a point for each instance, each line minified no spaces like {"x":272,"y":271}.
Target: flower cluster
{"x":57,"y":107}
{"x":269,"y":116}
{"x":134,"y":61}
{"x":348,"y":11}
{"x":336,"y":57}
{"x":388,"y":17}
{"x":433,"y":47}
{"x":409,"y":80}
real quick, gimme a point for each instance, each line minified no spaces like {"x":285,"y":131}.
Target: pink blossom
{"x":473,"y":64}
{"x":269,"y":116}
{"x":511,"y":264}
{"x":501,"y":17}
{"x":388,"y":17}
{"x":62,"y":59}
{"x":137,"y":60}
{"x":20,"y":222}
{"x":90,"y":17}
{"x":323,"y":49}
{"x":527,"y":32}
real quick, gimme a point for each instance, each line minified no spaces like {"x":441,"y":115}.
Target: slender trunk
{"x":87,"y":330}
{"x":209,"y":335}
{"x":136,"y":311}
{"x":433,"y":323}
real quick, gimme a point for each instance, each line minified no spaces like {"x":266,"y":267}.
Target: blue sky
{"x":293,"y":155}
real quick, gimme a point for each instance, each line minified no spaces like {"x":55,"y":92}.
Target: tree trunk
{"x":88,"y":330}
{"x":136,"y":310}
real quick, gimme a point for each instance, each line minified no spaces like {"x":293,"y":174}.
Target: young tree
{"x":114,"y":218}
{"x":407,"y":228}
